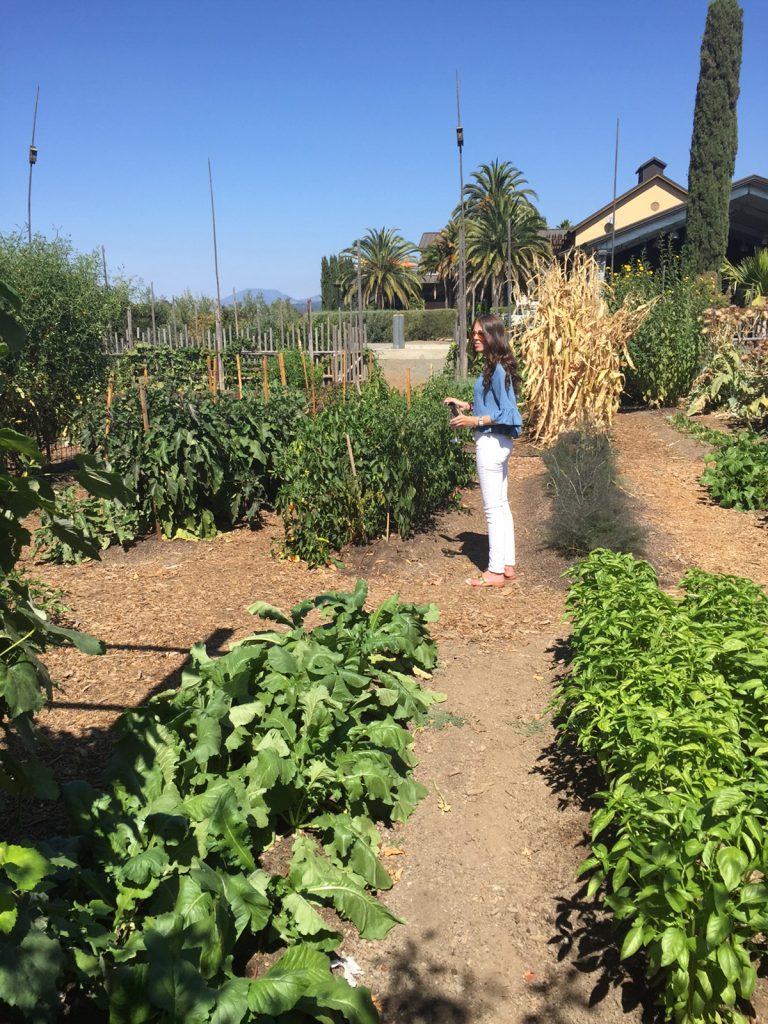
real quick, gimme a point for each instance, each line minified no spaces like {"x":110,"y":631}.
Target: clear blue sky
{"x":325,"y":119}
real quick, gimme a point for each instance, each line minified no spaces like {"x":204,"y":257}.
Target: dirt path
{"x":497,"y":932}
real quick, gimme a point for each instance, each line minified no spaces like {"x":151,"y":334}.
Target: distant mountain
{"x":270,"y":295}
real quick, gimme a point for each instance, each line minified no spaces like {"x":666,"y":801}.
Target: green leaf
{"x":22,"y":689}
{"x":674,"y":948}
{"x":8,"y":911}
{"x":280,"y":989}
{"x":268,"y":611}
{"x":173,"y":983}
{"x":730,"y":964}
{"x":633,"y":940}
{"x":29,"y":972}
{"x":13,"y":441}
{"x":231,"y":1002}
{"x":354,"y":1004}
{"x":718,"y":928}
{"x":732,"y":863}
{"x":24,"y":865}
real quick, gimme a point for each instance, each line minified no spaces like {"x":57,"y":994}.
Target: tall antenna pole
{"x":462,"y":362}
{"x":32,"y":162}
{"x":613,"y":213}
{"x":219,"y":331}
{"x":359,"y":292}
{"x":509,"y":262}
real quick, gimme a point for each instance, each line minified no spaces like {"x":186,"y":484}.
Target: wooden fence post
{"x":239,"y":376}
{"x":281,"y":364}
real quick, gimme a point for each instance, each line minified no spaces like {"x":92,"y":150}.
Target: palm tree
{"x":750,"y":277}
{"x":441,"y":257}
{"x":492,"y":183}
{"x":498,"y":205}
{"x":503,"y":237}
{"x":387,"y":268}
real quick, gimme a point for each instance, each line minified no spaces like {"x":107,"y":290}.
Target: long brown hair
{"x":497,"y":350}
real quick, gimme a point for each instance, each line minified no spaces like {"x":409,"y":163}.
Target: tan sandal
{"x":483,"y":581}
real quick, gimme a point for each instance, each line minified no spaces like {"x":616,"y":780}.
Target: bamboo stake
{"x":265,"y":375}
{"x":344,"y":373}
{"x":370,"y":364}
{"x":408,"y":386}
{"x":239,"y":376}
{"x":281,"y":364}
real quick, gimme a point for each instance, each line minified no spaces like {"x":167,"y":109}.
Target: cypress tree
{"x":714,"y":140}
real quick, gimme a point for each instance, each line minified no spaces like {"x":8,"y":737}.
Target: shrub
{"x":420,"y":324}
{"x":668,"y":349}
{"x":589,"y":508}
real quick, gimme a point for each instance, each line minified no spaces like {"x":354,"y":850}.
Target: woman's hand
{"x":464,"y":406}
{"x":464,"y":421}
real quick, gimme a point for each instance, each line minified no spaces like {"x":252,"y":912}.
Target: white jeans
{"x":492,"y":453}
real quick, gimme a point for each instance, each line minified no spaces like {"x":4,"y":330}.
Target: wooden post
{"x":209,"y":363}
{"x":408,"y":386}
{"x":351,"y":456}
{"x":312,"y":386}
{"x":344,"y":373}
{"x":152,"y":300}
{"x":281,"y":364}
{"x":304,"y":368}
{"x":370,"y":364}
{"x":109,"y":407}
{"x":129,"y":327}
{"x":264,"y":372}
{"x":239,"y":376}
{"x":145,"y":423}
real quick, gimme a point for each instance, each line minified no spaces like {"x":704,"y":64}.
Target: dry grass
{"x":573,"y":349}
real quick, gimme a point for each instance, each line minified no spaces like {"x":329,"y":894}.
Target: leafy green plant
{"x":735,"y":381}
{"x":668,"y":349}
{"x":737,"y":472}
{"x":299,"y":734}
{"x":102,"y":522}
{"x":590,"y":509}
{"x":407,"y":465}
{"x":668,"y":695}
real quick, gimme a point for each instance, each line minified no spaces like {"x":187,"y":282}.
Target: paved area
{"x":422,"y":358}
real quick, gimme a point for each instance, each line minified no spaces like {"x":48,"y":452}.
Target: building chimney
{"x":649,"y":169}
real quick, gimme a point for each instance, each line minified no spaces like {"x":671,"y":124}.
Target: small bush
{"x":420,"y":324}
{"x":589,"y":508}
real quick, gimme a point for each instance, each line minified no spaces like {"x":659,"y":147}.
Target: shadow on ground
{"x":82,"y":756}
{"x":423,"y":990}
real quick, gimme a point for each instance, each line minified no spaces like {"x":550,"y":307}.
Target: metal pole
{"x":152,"y":305}
{"x":509,"y":262}
{"x":359,"y":291}
{"x":462,"y":361}
{"x":613,"y":214}
{"x":32,"y":162}
{"x":218,"y":338}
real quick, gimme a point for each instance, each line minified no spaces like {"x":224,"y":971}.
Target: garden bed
{"x":497,"y":932}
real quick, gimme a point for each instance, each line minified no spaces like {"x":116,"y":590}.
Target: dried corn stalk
{"x":573,"y":349}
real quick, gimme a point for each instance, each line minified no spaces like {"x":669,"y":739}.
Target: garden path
{"x":497,"y":930}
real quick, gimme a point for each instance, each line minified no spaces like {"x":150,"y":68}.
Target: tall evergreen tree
{"x":714,"y":140}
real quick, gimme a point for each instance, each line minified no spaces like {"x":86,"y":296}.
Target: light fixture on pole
{"x":462,"y":361}
{"x":32,"y":162}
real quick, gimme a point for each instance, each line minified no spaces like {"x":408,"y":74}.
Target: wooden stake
{"x":109,"y":408}
{"x":239,"y":376}
{"x":344,"y":373}
{"x":209,"y":363}
{"x":281,"y":364}
{"x":265,"y":375}
{"x":143,"y":404}
{"x":145,"y":422}
{"x":370,"y":364}
{"x":304,"y":368}
{"x":351,"y":456}
{"x":408,"y":386}
{"x":312,"y":384}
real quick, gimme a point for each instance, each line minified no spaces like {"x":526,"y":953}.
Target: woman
{"x":495,"y":420}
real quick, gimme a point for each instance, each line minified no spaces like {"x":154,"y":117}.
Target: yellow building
{"x":657,"y":207}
